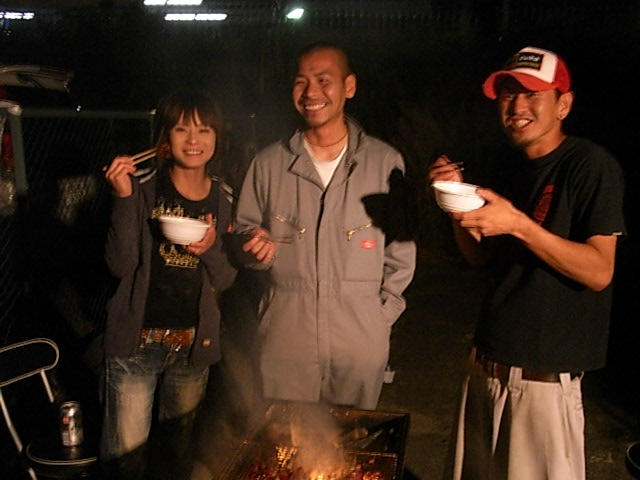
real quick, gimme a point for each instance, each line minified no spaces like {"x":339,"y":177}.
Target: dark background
{"x":419,"y":64}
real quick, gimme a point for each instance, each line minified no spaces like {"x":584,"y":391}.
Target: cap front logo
{"x":526,"y":60}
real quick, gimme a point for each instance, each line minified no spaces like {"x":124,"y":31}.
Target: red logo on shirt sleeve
{"x":543,"y":204}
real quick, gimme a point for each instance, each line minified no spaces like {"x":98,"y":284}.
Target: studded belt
{"x":174,"y":338}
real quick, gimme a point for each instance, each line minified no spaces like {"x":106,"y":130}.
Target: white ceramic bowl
{"x":457,"y":196}
{"x":182,"y":230}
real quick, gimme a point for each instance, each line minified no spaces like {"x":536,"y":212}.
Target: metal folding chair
{"x":632,"y":459}
{"x":44,"y":455}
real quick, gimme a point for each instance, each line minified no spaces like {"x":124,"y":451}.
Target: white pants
{"x":524,"y":430}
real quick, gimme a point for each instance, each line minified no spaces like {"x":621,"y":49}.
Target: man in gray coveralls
{"x":322,"y":213}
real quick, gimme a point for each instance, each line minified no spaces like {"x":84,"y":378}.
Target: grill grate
{"x":370,"y":442}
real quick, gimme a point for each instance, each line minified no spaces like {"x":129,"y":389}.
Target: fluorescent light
{"x":211,"y":17}
{"x":180,"y":17}
{"x":173,"y":2}
{"x":195,"y":17}
{"x":17,"y":15}
{"x":295,"y":14}
{"x":184,"y":2}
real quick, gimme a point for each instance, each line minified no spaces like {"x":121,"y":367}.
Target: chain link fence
{"x":54,"y":207}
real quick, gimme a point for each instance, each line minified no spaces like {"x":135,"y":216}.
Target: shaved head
{"x":343,"y":60}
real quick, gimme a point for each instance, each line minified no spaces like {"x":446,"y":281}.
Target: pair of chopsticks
{"x":454,"y":166}
{"x":139,"y":157}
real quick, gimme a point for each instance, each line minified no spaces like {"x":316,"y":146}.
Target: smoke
{"x":316,"y":437}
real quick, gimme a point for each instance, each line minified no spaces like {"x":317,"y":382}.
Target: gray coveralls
{"x":335,"y":285}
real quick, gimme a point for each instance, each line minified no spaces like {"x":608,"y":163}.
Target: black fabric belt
{"x":501,"y":372}
{"x":175,"y":338}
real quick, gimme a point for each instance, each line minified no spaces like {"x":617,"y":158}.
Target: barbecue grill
{"x":369,"y":445}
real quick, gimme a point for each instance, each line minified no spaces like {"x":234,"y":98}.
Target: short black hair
{"x":324,"y":45}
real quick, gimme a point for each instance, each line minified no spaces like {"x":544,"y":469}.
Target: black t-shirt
{"x":535,"y":317}
{"x":176,"y":275}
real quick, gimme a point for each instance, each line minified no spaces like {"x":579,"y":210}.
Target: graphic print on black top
{"x":172,"y":254}
{"x":176,"y":275}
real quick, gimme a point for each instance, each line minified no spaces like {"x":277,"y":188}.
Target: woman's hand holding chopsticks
{"x":117,"y":173}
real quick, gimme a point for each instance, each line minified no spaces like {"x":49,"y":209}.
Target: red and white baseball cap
{"x":535,"y":69}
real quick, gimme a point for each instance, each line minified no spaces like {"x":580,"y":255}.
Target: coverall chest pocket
{"x":285,"y":229}
{"x":364,"y":247}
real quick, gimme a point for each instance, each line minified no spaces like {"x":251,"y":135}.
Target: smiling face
{"x":180,"y":114}
{"x":192,"y":143}
{"x":321,"y":87}
{"x":533,"y":120}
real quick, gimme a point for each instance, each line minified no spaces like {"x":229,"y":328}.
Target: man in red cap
{"x":549,"y":239}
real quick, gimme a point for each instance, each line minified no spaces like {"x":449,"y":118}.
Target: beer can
{"x":71,"y":424}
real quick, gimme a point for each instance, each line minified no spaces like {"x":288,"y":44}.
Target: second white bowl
{"x":457,"y":196}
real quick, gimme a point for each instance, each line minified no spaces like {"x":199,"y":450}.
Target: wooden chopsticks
{"x":459,"y":166}
{"x":146,"y":155}
{"x":454,"y":166}
{"x":139,"y":157}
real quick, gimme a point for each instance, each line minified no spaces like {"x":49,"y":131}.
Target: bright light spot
{"x":17,"y":15}
{"x":180,"y":17}
{"x":173,"y":2}
{"x":184,"y":2}
{"x":295,"y":14}
{"x":192,"y":17}
{"x":211,"y":17}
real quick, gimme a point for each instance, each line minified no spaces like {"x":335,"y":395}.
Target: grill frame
{"x":386,"y":450}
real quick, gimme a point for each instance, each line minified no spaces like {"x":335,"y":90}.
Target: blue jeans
{"x":154,"y":382}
